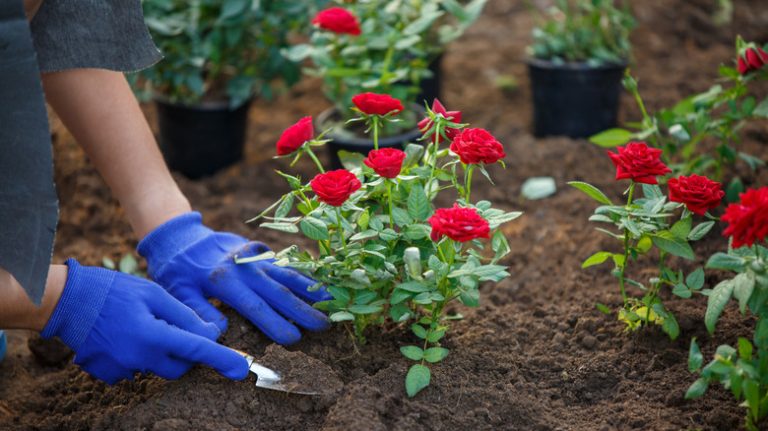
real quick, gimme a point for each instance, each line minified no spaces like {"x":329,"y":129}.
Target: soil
{"x":535,"y":355}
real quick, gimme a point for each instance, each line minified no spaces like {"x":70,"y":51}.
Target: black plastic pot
{"x":346,"y":141}
{"x":199,"y":140}
{"x":430,"y":87}
{"x":574,"y":99}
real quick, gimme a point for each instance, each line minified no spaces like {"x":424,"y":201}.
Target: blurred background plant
{"x":399,"y":40}
{"x":221,"y":49}
{"x":583,"y":31}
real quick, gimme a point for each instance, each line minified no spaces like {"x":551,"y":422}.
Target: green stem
{"x":655,"y":290}
{"x":341,"y":230}
{"x":375,"y":132}
{"x":314,"y":159}
{"x":468,"y":181}
{"x":626,"y":250}
{"x":389,"y":200}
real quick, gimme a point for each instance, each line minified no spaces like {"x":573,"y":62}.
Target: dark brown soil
{"x":535,"y":355}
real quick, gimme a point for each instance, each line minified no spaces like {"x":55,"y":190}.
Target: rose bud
{"x":450,"y":132}
{"x":699,"y":194}
{"x":337,"y":20}
{"x":377,"y":104}
{"x":335,"y":187}
{"x":387,"y":162}
{"x":474,"y":146}
{"x":295,"y":136}
{"x":459,"y":224}
{"x":638,"y":162}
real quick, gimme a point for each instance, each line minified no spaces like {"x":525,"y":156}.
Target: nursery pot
{"x":199,"y":140}
{"x":348,"y":141}
{"x":430,"y":87}
{"x":574,"y":99}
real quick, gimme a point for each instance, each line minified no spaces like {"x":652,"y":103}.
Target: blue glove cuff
{"x":171,"y":238}
{"x":80,"y":304}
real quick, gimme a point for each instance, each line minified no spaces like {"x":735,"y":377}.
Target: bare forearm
{"x":16,"y":309}
{"x":101,"y":112}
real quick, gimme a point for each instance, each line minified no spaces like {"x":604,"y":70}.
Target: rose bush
{"x":385,"y":253}
{"x":639,"y":163}
{"x":698,"y":193}
{"x":475,"y":146}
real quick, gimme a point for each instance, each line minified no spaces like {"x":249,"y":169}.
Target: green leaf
{"x":419,"y":331}
{"x":612,"y":138}
{"x":414,"y":287}
{"x":726,"y":262}
{"x":399,"y":296}
{"x":470,"y":298}
{"x":591,"y":191}
{"x":716,"y":303}
{"x":668,"y":242}
{"x":314,"y":228}
{"x":285,"y":206}
{"x":695,"y":280}
{"x":341,"y":316}
{"x":435,"y":336}
{"x":743,"y":286}
{"x":282,"y":227}
{"x":762,"y":109}
{"x":412,"y":352}
{"x":108,"y":263}
{"x":682,"y":228}
{"x":500,"y":245}
{"x":418,"y":204}
{"x":418,"y":378}
{"x":695,"y":358}
{"x":366,"y":234}
{"x":401,"y":217}
{"x":697,"y":389}
{"x":745,"y":349}
{"x":596,"y":259}
{"x":603,"y":308}
{"x":682,"y":291}
{"x":128,"y":264}
{"x":435,"y":354}
{"x":535,"y":188}
{"x":364,"y":309}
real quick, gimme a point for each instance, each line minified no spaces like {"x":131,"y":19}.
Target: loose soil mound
{"x":535,"y":355}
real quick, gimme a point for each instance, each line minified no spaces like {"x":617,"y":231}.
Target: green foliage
{"x":127,"y":264}
{"x":592,"y":31}
{"x":399,"y":40}
{"x":221,"y":49}
{"x":743,"y":370}
{"x":642,"y":224}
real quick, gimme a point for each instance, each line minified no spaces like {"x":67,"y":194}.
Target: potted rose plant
{"x":384,"y":47}
{"x":218,"y":56}
{"x":576,"y":61}
{"x":386,"y":253}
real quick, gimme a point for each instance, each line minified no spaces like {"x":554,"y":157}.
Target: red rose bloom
{"x":450,"y":132}
{"x":295,"y":136}
{"x":335,"y":187}
{"x":459,"y":224}
{"x":377,"y":104}
{"x":639,"y":163}
{"x":699,"y":194}
{"x":387,"y":162}
{"x":753,"y":58}
{"x":475,"y":146}
{"x":748,"y":219}
{"x":337,"y":20}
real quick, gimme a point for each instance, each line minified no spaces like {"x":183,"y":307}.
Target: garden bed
{"x":535,"y":355}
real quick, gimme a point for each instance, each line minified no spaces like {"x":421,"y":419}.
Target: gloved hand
{"x":118,"y":324}
{"x":194,"y":263}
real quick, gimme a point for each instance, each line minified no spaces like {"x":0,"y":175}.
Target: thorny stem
{"x":389,"y":200}
{"x":314,"y":159}
{"x":626,"y":250}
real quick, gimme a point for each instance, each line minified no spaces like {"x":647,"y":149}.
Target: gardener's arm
{"x":188,"y":259}
{"x":17,"y":311}
{"x":99,"y":109}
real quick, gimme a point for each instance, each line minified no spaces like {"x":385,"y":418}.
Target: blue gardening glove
{"x":195,"y":263}
{"x":119,"y":324}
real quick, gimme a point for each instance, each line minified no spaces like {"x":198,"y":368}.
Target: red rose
{"x":753,"y":58}
{"x":295,"y":136}
{"x":699,"y":194}
{"x":639,"y":163}
{"x":748,"y":219}
{"x":459,"y":224}
{"x":475,"y":146}
{"x":337,"y":20}
{"x":377,"y":104}
{"x":387,"y":162}
{"x":450,"y":132}
{"x":335,"y":187}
